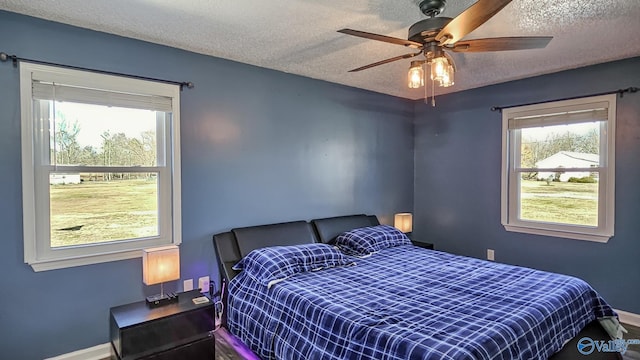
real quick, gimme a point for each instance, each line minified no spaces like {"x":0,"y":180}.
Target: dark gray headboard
{"x":283,"y":234}
{"x":227,"y":254}
{"x":328,"y":229}
{"x":233,"y":245}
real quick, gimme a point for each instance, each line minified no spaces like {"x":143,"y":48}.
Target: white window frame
{"x":35,"y":173}
{"x":606,"y":183}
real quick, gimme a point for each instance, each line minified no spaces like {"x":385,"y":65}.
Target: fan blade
{"x":476,"y":15}
{"x":383,"y":38}
{"x":502,"y":44}
{"x":405,"y":56}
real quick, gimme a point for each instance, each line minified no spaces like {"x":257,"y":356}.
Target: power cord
{"x":218,"y":305}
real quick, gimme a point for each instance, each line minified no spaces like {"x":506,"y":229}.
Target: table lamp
{"x":403,"y":222}
{"x":159,"y":265}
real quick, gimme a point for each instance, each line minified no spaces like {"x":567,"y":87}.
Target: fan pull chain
{"x":424,"y":82}
{"x":433,"y":93}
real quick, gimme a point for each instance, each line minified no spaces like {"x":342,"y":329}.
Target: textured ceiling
{"x":299,"y":36}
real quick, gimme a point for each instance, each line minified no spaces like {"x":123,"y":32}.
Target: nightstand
{"x":422,"y":244}
{"x":180,"y":330}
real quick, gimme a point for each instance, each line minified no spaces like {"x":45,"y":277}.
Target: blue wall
{"x":288,"y":148}
{"x":457,"y":180}
{"x":258,"y":146}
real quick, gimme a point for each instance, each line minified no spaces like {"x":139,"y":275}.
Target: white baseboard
{"x":98,"y":352}
{"x":628,"y":318}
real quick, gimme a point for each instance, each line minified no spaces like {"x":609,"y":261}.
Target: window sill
{"x":561,"y":234}
{"x":53,"y":264}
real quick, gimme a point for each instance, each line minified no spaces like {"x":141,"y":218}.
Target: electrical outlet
{"x":490,"y":255}
{"x":203,"y":284}
{"x":187,"y":285}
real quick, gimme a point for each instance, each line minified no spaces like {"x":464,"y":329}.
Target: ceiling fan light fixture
{"x":434,"y":35}
{"x":447,"y":77}
{"x":416,"y":75}
{"x":439,"y":68}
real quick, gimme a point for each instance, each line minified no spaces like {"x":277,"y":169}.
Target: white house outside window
{"x":100,"y":166}
{"x":558,"y":163}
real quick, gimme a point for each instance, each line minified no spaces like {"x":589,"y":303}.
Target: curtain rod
{"x":5,"y":57}
{"x":619,"y":91}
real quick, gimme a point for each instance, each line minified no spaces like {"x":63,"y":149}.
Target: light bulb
{"x":447,"y":77}
{"x":438,"y":68}
{"x":415,"y":76}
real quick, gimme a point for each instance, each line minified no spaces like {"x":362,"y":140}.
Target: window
{"x":558,"y":168}
{"x":100,"y":166}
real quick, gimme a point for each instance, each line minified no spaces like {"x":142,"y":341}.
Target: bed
{"x":402,"y":302}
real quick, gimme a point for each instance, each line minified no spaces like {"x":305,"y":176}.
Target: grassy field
{"x":104,"y":211}
{"x":560,"y":202}
{"x":124,"y":209}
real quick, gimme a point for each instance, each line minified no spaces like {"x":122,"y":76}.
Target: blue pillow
{"x":368,"y":240}
{"x":271,"y":265}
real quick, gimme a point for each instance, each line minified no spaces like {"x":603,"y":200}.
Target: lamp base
{"x":161,"y":299}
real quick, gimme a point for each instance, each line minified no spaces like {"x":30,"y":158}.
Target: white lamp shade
{"x":160,"y":264}
{"x":403,"y":222}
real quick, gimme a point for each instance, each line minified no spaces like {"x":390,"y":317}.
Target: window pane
{"x":573,"y":202}
{"x":567,"y":146}
{"x":100,"y":207}
{"x":96,"y":135}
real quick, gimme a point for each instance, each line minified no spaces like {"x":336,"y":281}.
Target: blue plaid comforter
{"x":412,"y":303}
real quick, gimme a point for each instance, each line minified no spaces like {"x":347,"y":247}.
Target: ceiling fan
{"x":436,"y":35}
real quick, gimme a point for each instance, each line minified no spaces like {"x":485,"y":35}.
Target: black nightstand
{"x":180,"y":330}
{"x":422,"y":244}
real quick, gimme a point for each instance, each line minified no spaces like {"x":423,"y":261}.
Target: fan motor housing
{"x":425,"y":31}
{"x":431,"y":8}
